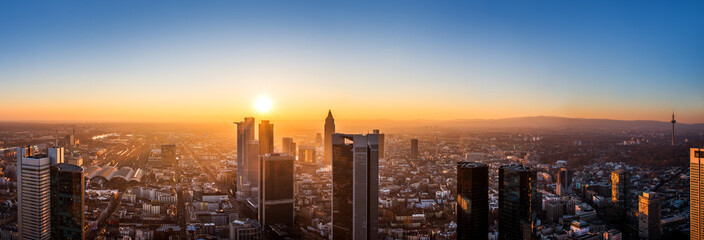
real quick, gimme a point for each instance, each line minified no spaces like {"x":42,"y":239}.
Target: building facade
{"x":648,"y":216}
{"x":472,"y":200}
{"x":67,"y":202}
{"x":696,"y":193}
{"x":355,"y":186}
{"x":276,"y":191}
{"x":266,"y":137}
{"x":518,"y":202}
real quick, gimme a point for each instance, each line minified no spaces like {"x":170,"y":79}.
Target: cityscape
{"x":346,"y":121}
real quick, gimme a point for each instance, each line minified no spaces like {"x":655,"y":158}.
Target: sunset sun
{"x":263,"y":104}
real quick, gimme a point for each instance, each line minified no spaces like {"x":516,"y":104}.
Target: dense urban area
{"x":180,"y":181}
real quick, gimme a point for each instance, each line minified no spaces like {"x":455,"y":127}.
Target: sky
{"x":208,"y":61}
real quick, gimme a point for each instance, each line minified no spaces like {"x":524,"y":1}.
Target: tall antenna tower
{"x":673,"y":128}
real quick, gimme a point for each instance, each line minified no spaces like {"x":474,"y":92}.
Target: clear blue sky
{"x":206,"y":60}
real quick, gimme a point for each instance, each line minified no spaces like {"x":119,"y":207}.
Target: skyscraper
{"x":34,"y":194}
{"x":288,"y":146}
{"x":518,"y":202}
{"x":245,"y":133}
{"x":564,"y":181}
{"x":355,"y":186}
{"x":696,"y":193}
{"x":382,"y":141}
{"x":266,"y":137}
{"x":648,"y":216}
{"x":306,"y":154}
{"x":67,"y":201}
{"x":329,"y":130}
{"x":619,"y":188}
{"x":414,"y":149}
{"x":252,"y":166}
{"x":276,"y":191}
{"x":472,"y":200}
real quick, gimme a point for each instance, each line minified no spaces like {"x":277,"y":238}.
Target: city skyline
{"x":155,"y":62}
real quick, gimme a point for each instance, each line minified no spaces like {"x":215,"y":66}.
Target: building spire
{"x":329,"y":114}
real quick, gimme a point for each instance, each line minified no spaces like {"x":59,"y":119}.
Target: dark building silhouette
{"x":355,"y":186}
{"x":276,"y":191}
{"x":382,"y":141}
{"x":564,"y":181}
{"x":518,"y":202}
{"x":266,"y":137}
{"x":329,"y":130}
{"x":414,"y":149}
{"x":472,"y":200}
{"x":67,"y":201}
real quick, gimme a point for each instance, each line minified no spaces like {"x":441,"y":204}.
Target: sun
{"x":263,"y":104}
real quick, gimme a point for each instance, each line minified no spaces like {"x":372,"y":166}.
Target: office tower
{"x":518,"y":202}
{"x":306,"y":154}
{"x":266,"y":137}
{"x":276,"y":191}
{"x":696,"y":193}
{"x":355,"y":186}
{"x":70,"y":140}
{"x":319,"y":139}
{"x":564,"y":181}
{"x":252,"y":167}
{"x":245,"y":133}
{"x":648,"y":216}
{"x":56,"y":155}
{"x":67,"y":201}
{"x":414,"y":149}
{"x":472,"y":200}
{"x":382,"y":141}
{"x":288,"y":146}
{"x":33,"y":195}
{"x":329,"y":130}
{"x":619,"y":188}
{"x":168,"y":154}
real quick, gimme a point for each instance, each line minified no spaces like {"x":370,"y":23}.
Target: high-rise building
{"x":266,"y":137}
{"x":34,"y":193}
{"x":245,"y":133}
{"x":619,"y":188}
{"x":518,"y":202}
{"x":168,"y":154}
{"x":696,"y":193}
{"x":355,"y":186}
{"x":564,"y":181}
{"x":382,"y":142}
{"x":306,"y":154}
{"x":414,"y":149}
{"x":288,"y":146}
{"x":648,"y":216}
{"x":329,"y":130}
{"x":472,"y":200}
{"x":252,"y":166}
{"x":67,"y":202}
{"x":276,"y":191}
